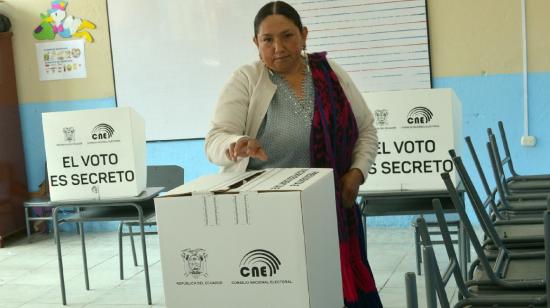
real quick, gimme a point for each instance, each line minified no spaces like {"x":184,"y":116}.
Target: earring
{"x":306,"y":60}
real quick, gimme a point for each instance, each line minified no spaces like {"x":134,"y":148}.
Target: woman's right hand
{"x":245,"y":147}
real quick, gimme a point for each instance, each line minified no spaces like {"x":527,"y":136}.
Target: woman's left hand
{"x":350,"y":183}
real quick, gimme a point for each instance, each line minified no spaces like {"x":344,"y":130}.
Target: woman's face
{"x":280,"y":43}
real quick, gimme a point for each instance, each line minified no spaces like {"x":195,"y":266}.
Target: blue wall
{"x":485,"y":100}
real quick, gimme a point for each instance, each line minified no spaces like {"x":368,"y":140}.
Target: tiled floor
{"x":29,"y":272}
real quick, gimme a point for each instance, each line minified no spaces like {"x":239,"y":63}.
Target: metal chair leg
{"x":84,"y":258}
{"x":430,"y":288}
{"x":410,"y":290}
{"x":28,"y":224}
{"x":461,"y":246}
{"x":463,"y":255}
{"x":362,"y":205}
{"x":546,"y":219}
{"x":418,"y":252}
{"x":133,"y":245}
{"x":467,"y":246}
{"x":463,"y":252}
{"x":144,"y":251}
{"x":120,"y":252}
{"x":59,"y":258}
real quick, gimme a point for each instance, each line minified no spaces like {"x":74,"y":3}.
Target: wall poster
{"x":61,"y":60}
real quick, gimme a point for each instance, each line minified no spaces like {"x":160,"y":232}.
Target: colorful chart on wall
{"x":171,"y":58}
{"x":61,"y":60}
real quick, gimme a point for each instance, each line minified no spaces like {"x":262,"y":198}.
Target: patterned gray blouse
{"x":285,"y":130}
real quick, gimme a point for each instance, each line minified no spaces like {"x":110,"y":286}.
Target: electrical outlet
{"x":528,"y":141}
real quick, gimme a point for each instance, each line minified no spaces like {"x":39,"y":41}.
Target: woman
{"x":291,"y":109}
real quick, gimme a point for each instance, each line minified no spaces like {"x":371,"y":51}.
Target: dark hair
{"x":277,"y":8}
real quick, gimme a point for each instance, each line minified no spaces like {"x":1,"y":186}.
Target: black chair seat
{"x":528,"y":185}
{"x":518,"y":270}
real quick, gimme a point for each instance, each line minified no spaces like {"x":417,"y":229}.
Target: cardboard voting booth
{"x":257,"y":239}
{"x":95,"y":154}
{"x":416,"y":129}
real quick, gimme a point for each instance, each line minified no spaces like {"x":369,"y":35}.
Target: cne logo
{"x":259,"y":263}
{"x":102,"y":131}
{"x":419,"y":115}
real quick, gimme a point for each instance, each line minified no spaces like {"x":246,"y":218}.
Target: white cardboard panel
{"x":251,"y":247}
{"x":95,"y":154}
{"x":416,"y":129}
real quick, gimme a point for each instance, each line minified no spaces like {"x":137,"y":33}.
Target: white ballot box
{"x":95,"y":154}
{"x":257,"y":239}
{"x":416,"y":130}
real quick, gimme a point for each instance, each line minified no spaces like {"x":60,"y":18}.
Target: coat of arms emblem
{"x":69,"y":133}
{"x":381,"y":116}
{"x":195,"y":262}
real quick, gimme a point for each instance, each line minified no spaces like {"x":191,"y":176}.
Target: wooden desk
{"x":120,"y":209}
